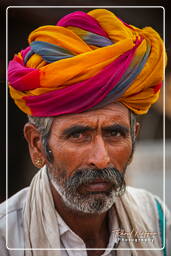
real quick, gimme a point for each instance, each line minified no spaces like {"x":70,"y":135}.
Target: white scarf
{"x":41,"y":226}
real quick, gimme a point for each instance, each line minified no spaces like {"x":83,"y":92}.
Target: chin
{"x":93,"y":203}
{"x":87,"y":202}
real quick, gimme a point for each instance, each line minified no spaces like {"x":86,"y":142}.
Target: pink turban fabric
{"x":87,"y":60}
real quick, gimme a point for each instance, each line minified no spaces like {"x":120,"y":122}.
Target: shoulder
{"x":14,"y":203}
{"x":148,"y":204}
{"x":11,"y":214}
{"x":140,"y":196}
{"x":144,"y":200}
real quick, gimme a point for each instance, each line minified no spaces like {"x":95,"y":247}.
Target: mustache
{"x":86,"y":176}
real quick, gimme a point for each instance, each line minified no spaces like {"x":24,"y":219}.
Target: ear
{"x":136,"y":129}
{"x":33,"y":137}
{"x":136,"y":132}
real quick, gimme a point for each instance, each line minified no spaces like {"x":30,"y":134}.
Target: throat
{"x":93,"y":229}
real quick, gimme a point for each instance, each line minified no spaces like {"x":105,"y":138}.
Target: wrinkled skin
{"x":98,"y":139}
{"x":95,"y":149}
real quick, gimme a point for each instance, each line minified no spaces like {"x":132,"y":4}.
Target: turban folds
{"x":87,"y":60}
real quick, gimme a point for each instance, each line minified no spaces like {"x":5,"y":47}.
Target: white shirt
{"x":71,"y":240}
{"x":68,"y":238}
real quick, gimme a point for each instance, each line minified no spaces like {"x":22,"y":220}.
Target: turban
{"x":85,"y":61}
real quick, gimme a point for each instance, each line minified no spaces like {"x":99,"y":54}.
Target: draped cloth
{"x":41,"y":226}
{"x":85,"y":61}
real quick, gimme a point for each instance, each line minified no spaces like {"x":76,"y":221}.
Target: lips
{"x":98,"y":185}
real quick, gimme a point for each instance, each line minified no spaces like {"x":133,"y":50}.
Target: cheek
{"x":67,"y":157}
{"x":120,"y":154}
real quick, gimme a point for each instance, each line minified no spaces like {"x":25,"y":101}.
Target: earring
{"x":39,"y":163}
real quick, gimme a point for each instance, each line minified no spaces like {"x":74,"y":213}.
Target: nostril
{"x":99,"y":162}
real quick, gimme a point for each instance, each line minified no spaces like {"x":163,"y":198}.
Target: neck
{"x":86,"y":226}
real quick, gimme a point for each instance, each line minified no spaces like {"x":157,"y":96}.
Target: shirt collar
{"x":63,"y":227}
{"x":113,"y":222}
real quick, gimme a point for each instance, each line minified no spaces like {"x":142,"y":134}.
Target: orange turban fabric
{"x":87,"y":60}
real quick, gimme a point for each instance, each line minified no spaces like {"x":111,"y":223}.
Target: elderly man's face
{"x":90,"y":153}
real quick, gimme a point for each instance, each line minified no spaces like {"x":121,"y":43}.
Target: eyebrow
{"x":77,"y":129}
{"x":116,"y":127}
{"x":81,"y":129}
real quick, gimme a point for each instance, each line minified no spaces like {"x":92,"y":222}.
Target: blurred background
{"x":146,"y":169}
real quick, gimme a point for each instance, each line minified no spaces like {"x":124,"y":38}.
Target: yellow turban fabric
{"x":87,"y":60}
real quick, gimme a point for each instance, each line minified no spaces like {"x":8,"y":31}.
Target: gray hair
{"x":43,"y":124}
{"x":133,"y":120}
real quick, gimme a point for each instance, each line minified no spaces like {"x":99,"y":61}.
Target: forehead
{"x":110,"y":114}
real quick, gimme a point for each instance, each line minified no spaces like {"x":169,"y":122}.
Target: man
{"x":81,"y":84}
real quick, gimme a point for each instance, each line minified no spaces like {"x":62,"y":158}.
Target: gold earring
{"x":39,"y":163}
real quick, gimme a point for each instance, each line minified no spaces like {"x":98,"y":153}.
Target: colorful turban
{"x":85,"y":61}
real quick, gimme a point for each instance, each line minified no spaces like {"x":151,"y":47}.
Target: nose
{"x":98,"y":155}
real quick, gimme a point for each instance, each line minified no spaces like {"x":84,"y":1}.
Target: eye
{"x":115,"y":133}
{"x":80,"y":137}
{"x":76,"y":135}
